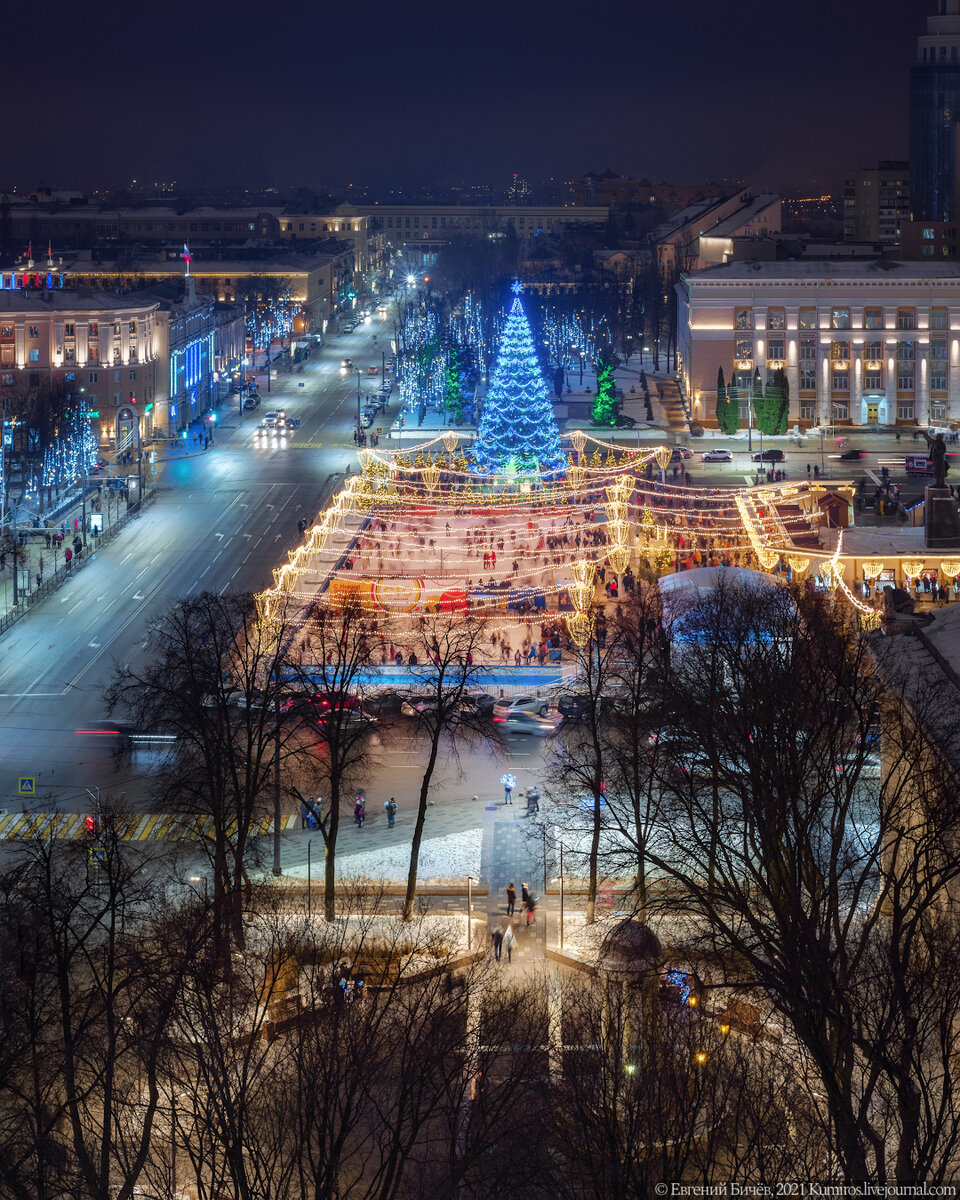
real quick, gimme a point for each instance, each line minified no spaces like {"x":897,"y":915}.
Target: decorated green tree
{"x":728,"y":418}
{"x":453,"y":388}
{"x":604,"y":411}
{"x":518,"y":431}
{"x":759,"y":403}
{"x":779,"y":402}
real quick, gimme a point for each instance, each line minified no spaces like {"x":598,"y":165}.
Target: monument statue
{"x":938,"y":456}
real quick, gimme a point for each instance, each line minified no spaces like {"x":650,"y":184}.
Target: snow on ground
{"x":443,"y":860}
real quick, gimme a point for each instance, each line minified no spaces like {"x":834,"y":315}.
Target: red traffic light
{"x":90,"y":822}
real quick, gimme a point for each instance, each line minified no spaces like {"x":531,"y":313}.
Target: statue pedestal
{"x":941,"y":522}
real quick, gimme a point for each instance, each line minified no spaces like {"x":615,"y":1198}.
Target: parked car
{"x":516,"y":704}
{"x":385,"y":704}
{"x":416,"y":706}
{"x":349,"y":327}
{"x":717,"y":455}
{"x":774,"y":455}
{"x":482,"y":703}
{"x":573,"y":705}
{"x":526,"y":722}
{"x":625,"y":422}
{"x":251,"y":403}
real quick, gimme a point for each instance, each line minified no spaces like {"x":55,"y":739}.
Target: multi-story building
{"x":199,"y":341}
{"x":876,"y":203}
{"x":703,"y":234}
{"x":319,"y":285}
{"x":935,"y":117}
{"x":861,"y":342}
{"x":424,"y":228}
{"x":101,"y":351}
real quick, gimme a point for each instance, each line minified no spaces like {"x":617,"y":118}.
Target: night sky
{"x":377,"y":91}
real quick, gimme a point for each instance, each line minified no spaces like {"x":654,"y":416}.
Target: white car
{"x":717,"y":456}
{"x":519,"y":704}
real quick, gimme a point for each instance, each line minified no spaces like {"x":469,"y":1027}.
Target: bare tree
{"x":340,"y":650}
{"x":446,"y":648}
{"x":815,"y":871}
{"x":94,"y":976}
{"x":215,"y":676}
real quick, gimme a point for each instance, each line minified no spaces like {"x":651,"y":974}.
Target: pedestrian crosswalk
{"x":306,"y":445}
{"x":127,"y":827}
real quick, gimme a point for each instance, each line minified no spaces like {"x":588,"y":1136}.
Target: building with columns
{"x":861,"y":342}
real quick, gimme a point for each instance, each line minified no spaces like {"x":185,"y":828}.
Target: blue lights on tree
{"x":518,"y":432}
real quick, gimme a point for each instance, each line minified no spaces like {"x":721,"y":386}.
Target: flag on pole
{"x":186,"y":253}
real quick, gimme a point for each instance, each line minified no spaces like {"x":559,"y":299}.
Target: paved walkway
{"x":512,"y":853}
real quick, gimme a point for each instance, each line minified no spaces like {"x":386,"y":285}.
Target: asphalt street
{"x":223,"y":519}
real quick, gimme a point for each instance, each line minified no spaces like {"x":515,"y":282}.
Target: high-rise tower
{"x":935,"y":118}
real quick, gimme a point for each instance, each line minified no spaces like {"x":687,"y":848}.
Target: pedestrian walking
{"x":358,"y":812}
{"x":509,"y":941}
{"x":531,"y":908}
{"x":511,"y":899}
{"x":525,"y":894}
{"x":497,"y":938}
{"x":391,"y":807}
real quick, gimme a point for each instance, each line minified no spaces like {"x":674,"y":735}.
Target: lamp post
{"x":561,"y":894}
{"x":309,"y":893}
{"x":276,"y":785}
{"x":470,"y":912}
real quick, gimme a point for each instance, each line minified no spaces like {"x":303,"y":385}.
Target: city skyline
{"x":220,"y":102}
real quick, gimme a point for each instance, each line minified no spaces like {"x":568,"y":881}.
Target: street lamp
{"x":470,"y":883}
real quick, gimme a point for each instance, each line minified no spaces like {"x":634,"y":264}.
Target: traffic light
{"x":90,"y":823}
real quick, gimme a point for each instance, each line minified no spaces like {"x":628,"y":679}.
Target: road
{"x":223,"y":519}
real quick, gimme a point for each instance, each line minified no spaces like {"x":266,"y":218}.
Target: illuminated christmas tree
{"x":518,"y":431}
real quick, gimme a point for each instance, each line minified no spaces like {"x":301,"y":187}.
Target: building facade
{"x":703,"y":234}
{"x":99,"y":351}
{"x":935,"y":117}
{"x":876,"y":203}
{"x":861,"y":343}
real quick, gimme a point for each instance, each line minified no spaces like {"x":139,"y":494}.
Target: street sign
{"x":92,"y":413}
{"x":27,"y":786}
{"x":379,"y":430}
{"x":97,"y":856}
{"x":299,"y":385}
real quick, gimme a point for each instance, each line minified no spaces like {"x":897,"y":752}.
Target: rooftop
{"x":33,"y":300}
{"x":881,"y":270}
{"x":729,"y":225}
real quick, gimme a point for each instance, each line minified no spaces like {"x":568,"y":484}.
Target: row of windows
{"x":937,"y":350}
{"x":69,"y":330}
{"x":191,"y":227}
{"x":840,"y":318}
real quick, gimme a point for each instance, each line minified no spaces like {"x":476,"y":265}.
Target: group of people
{"x":360,"y":811}
{"x":502,"y":935}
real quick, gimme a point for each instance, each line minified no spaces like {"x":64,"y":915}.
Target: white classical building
{"x":861,"y":343}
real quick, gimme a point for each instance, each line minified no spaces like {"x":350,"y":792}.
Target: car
{"x":774,"y":455}
{"x":270,"y":418}
{"x":346,"y":364}
{"x":717,"y":455}
{"x":480,"y":703}
{"x":853,"y":454}
{"x":866,"y":766}
{"x":320,"y":705}
{"x":292,"y":422}
{"x":349,"y":327}
{"x":385,"y":704}
{"x":625,"y":422}
{"x":574,"y":705}
{"x":366,"y":420}
{"x":526,"y":722}
{"x":515,"y":704}
{"x":680,"y":453}
{"x":251,"y":403}
{"x":373,"y":370}
{"x":417,"y":706}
